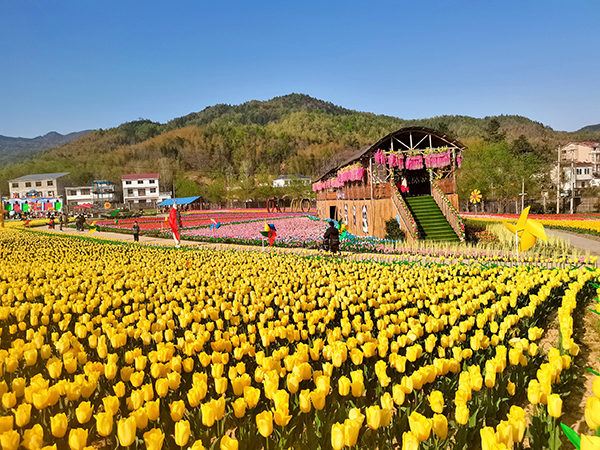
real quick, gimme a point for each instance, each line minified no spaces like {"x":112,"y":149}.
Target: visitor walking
{"x":136,"y":232}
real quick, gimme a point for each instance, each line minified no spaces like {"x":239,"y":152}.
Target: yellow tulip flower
{"x":78,"y":438}
{"x":228,"y":443}
{"x":338,"y":433}
{"x":461,"y":414}
{"x":373,"y":417}
{"x":440,"y":426}
{"x":59,"y":425}
{"x":305,"y":401}
{"x":533,"y":392}
{"x":318,"y":398}
{"x":141,"y":418}
{"x":153,"y":409}
{"x":436,"y":401}
{"x":409,"y":441}
{"x":119,"y":389}
{"x":162,"y":387}
{"x":182,"y":432}
{"x":239,"y":407}
{"x":126,"y":429}
{"x":154,"y":439}
{"x":264,"y":423}
{"x":104,"y":424}
{"x":33,"y":438}
{"x":592,"y":412}
{"x":589,"y":442}
{"x":9,"y":399}
{"x":10,"y":440}
{"x":22,"y":414}
{"x":6,"y":423}
{"x":251,"y":395}
{"x":177,"y":410}
{"x":419,"y":425}
{"x":208,"y":413}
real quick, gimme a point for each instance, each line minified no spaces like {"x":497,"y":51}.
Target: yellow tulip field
{"x":106,"y":344}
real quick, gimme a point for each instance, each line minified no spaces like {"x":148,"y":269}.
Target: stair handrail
{"x":404,"y":212}
{"x":448,"y":210}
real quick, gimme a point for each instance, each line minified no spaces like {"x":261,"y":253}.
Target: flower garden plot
{"x":160,"y":348}
{"x":193,"y":219}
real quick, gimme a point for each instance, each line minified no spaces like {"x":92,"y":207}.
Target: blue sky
{"x":73,"y":65}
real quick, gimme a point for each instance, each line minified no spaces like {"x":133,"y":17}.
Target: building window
{"x":15,"y":185}
{"x":140,"y":181}
{"x":153,"y":190}
{"x":152,"y":181}
{"x":129,"y":191}
{"x":28,"y":184}
{"x":141,"y":192}
{"x":50,"y":193}
{"x":587,"y":171}
{"x":50,"y":183}
{"x":85,"y":192}
{"x":38,"y":183}
{"x":71,"y":192}
{"x":128,"y":182}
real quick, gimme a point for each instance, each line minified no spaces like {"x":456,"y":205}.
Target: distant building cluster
{"x":54,"y":191}
{"x":291,"y":180}
{"x":579,"y":166}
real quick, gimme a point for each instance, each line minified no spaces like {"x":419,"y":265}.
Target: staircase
{"x":430,"y":221}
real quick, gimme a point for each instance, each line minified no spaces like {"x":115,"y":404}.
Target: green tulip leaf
{"x":593,"y":371}
{"x":571,"y":435}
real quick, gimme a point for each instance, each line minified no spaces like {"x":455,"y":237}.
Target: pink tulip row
{"x":291,"y":229}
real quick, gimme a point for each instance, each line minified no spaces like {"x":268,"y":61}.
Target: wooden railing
{"x":448,"y":210}
{"x":404,"y":213}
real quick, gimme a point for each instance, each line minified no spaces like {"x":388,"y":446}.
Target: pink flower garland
{"x":395,"y":160}
{"x":414,"y":162}
{"x":435,"y":160}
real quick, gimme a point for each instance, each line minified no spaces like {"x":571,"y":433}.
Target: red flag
{"x":173,"y":223}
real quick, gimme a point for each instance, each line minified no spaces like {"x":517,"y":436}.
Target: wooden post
{"x":371,"y":174}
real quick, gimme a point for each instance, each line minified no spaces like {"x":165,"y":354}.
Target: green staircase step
{"x":430,"y":220}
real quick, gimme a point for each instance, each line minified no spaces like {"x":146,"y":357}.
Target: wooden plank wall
{"x":378,"y":212}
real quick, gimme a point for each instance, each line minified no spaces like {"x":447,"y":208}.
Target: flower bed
{"x":152,"y":347}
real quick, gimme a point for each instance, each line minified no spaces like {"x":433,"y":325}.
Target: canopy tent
{"x":84,"y":205}
{"x":179,"y":201}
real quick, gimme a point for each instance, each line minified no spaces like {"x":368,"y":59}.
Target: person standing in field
{"x":136,"y":232}
{"x":333,"y":235}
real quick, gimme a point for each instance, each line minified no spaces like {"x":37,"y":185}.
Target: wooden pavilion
{"x":408,"y":175}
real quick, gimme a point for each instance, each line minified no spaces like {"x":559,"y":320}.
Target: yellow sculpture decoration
{"x":527,"y":230}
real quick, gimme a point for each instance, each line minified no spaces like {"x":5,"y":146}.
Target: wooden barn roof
{"x":407,"y":139}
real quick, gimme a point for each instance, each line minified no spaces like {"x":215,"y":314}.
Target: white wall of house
{"x":141,"y":190}
{"x":44,"y":186}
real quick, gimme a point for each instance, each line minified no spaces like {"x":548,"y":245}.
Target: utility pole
{"x":558,"y":183}
{"x":572,"y":182}
{"x":523,"y":194}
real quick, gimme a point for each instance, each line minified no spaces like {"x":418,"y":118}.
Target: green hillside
{"x":244,"y":143}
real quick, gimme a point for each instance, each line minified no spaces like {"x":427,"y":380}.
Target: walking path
{"x":585,"y":243}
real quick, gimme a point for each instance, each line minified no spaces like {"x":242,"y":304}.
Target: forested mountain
{"x":244,"y":143}
{"x":590,"y":129}
{"x":13,"y":149}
